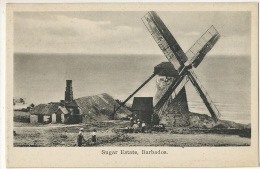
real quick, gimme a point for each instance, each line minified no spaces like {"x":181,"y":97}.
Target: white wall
{"x":33,"y":119}
{"x":53,"y":118}
{"x":46,"y":118}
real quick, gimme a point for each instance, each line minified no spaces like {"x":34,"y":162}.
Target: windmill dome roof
{"x":165,"y":69}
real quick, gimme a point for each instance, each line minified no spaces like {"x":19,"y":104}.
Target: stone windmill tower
{"x":176,"y":110}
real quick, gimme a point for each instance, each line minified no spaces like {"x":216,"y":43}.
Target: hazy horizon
{"x":42,"y":79}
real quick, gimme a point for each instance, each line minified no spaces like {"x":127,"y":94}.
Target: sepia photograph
{"x":132,"y":78}
{"x":98,"y":79}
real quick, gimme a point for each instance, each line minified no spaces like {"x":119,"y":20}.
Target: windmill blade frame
{"x":165,"y":40}
{"x":202,"y":46}
{"x":215,"y":114}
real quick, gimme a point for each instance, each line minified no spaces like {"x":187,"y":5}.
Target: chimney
{"x":68,"y":92}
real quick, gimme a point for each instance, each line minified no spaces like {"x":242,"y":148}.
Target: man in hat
{"x":80,"y":137}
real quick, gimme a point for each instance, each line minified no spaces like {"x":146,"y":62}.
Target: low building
{"x":59,"y":116}
{"x":142,"y":109}
{"x":43,"y":113}
{"x":56,"y":113}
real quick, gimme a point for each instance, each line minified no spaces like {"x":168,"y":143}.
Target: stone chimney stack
{"x":68,"y":92}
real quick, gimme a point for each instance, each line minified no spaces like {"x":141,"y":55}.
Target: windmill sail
{"x":215,"y":114}
{"x":165,"y":40}
{"x":178,"y":58}
{"x":202,"y":46}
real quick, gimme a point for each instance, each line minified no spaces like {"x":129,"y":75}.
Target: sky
{"x":124,"y":32}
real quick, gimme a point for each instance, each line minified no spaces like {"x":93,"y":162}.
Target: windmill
{"x":179,"y":61}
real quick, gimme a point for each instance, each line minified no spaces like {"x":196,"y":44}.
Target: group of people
{"x":81,"y":138}
{"x":137,"y":124}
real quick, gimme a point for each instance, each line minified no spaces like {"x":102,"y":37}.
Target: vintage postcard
{"x":132,"y":85}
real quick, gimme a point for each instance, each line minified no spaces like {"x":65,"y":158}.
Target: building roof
{"x":63,"y":110}
{"x":71,"y":104}
{"x":142,"y":103}
{"x":45,"y":109}
{"x":165,"y":69}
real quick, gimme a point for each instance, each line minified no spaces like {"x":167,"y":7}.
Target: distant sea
{"x":41,"y":78}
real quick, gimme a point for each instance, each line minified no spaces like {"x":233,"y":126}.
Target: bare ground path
{"x":60,"y":135}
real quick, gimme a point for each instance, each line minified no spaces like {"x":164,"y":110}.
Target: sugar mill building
{"x":66,"y":111}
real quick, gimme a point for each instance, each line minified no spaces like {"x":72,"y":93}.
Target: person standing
{"x":139,"y":123}
{"x":94,"y":137}
{"x":80,"y":138}
{"x":131,"y":121}
{"x":135,"y":126}
{"x":143,"y":126}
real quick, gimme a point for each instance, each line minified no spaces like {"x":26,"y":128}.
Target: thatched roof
{"x":142,"y":103}
{"x":45,"y":109}
{"x":165,"y":69}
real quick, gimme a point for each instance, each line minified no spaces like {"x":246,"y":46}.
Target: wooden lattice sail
{"x":181,"y":62}
{"x":177,"y":57}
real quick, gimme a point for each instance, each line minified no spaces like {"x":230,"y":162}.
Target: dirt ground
{"x":60,"y":135}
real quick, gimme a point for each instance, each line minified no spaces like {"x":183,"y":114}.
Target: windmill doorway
{"x":58,"y":118}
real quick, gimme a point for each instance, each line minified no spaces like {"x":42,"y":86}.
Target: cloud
{"x":124,"y":32}
{"x":41,"y":33}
